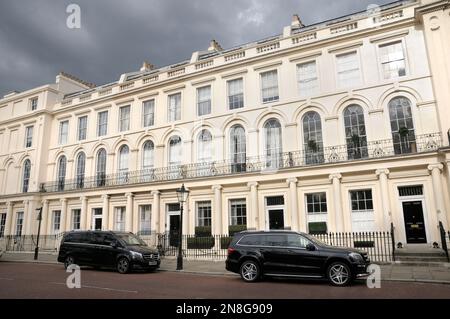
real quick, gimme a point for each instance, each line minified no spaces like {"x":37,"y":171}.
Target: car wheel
{"x":250,"y":271}
{"x":68,"y":261}
{"x":123,"y":265}
{"x":339,"y":274}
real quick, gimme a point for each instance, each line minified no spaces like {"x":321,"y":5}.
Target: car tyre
{"x":69,"y":260}
{"x":339,"y":274}
{"x":123,"y":265}
{"x":250,"y":271}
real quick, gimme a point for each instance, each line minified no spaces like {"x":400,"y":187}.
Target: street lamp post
{"x":39,"y":218}
{"x":182,"y":194}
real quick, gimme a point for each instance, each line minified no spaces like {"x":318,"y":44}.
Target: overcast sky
{"x":116,"y":36}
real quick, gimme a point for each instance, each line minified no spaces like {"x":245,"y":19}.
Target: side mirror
{"x":310,"y":247}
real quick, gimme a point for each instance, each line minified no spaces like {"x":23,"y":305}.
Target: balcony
{"x":260,"y":164}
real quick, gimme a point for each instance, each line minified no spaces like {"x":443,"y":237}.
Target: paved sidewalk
{"x":392,"y":272}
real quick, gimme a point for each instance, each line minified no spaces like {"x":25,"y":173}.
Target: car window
{"x":276,"y":240}
{"x":131,"y":240}
{"x":250,"y":240}
{"x":297,"y":241}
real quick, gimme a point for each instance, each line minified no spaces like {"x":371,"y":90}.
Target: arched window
{"x":204,"y":147}
{"x":147,"y":160}
{"x":123,"y":163}
{"x":100,"y":168}
{"x":81,"y":165}
{"x":402,"y":126}
{"x":238,"y":148}
{"x":26,"y":175}
{"x":355,"y":132}
{"x":62,"y":163}
{"x":312,"y":138}
{"x":175,"y":151}
{"x":273,"y":144}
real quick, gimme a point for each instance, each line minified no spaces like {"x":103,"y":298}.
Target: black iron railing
{"x":393,"y":241}
{"x":261,"y":164}
{"x":27,"y":243}
{"x":444,"y":234}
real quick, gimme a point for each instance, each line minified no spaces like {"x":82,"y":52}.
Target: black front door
{"x":276,"y":219}
{"x":174,"y":230}
{"x":414,"y":223}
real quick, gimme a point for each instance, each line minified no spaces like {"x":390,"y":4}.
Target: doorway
{"x":97,"y":218}
{"x":173,"y":226}
{"x":414,"y":222}
{"x":275,"y":212}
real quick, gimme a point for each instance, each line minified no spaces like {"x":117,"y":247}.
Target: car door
{"x":274,"y":252}
{"x":82,"y":248}
{"x":299,"y":259}
{"x":102,"y":249}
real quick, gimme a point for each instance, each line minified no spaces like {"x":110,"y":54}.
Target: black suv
{"x":254,"y":254}
{"x":119,"y":250}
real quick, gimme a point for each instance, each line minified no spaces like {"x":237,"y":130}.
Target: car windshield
{"x":315,"y":240}
{"x":131,"y":240}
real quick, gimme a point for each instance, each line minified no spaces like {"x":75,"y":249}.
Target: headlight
{"x":136,"y":255}
{"x":355,"y":257}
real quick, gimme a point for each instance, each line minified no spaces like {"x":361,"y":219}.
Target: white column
{"x":44,"y":220}
{"x":135,"y":219}
{"x":105,"y":212}
{"x":69,"y":219}
{"x":217,"y":210}
{"x":295,"y":225}
{"x":49,"y":222}
{"x":9,"y":219}
{"x":155,"y":214}
{"x":27,"y":217}
{"x":383,"y":175}
{"x":129,"y":212}
{"x":83,"y":213}
{"x":337,"y":199}
{"x":436,"y":170}
{"x":62,"y":224}
{"x":252,"y":218}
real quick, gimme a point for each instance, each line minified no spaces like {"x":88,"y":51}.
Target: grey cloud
{"x":116,"y":36}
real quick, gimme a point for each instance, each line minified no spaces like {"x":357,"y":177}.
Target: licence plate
{"x":152,"y":263}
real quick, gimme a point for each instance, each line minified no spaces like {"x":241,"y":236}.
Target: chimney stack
{"x":147,"y":66}
{"x":214,"y":46}
{"x":296,"y":22}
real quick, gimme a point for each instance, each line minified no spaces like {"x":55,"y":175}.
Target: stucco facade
{"x":316,"y":106}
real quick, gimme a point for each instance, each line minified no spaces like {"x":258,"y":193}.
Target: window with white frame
{"x":76,"y":219}
{"x":28,"y":136}
{"x":392,"y":60}
{"x":273,"y":143}
{"x":204,"y":100}
{"x":316,"y":208}
{"x":62,"y":163}
{"x":33,"y":104}
{"x":144,"y":219}
{"x":19,"y":223}
{"x":175,"y":151}
{"x":204,"y":213}
{"x":348,"y":72}
{"x":123,"y":163}
{"x":235,"y":93}
{"x":238,"y":212}
{"x":363,"y":218}
{"x":269,"y":86}
{"x":308,"y":81}
{"x":119,"y":222}
{"x":148,"y":113}
{"x":102,"y":123}
{"x":26,"y":175}
{"x":56,"y":226}
{"x":100,"y":167}
{"x":148,"y":155}
{"x":124,"y":118}
{"x":2,"y":224}
{"x":238,"y":148}
{"x":174,"y":107}
{"x":82,"y":128}
{"x":80,"y":169}
{"x":204,"y":150}
{"x":63,"y":132}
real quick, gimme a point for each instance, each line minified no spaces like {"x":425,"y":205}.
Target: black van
{"x":120,"y":250}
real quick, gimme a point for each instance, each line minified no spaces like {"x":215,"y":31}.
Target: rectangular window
{"x":56,"y":221}
{"x":204,"y":213}
{"x":144,"y":218}
{"x":416,"y":190}
{"x":28,"y":136}
{"x":33,"y":104}
{"x":124,"y":118}
{"x":120,"y":219}
{"x":76,"y":219}
{"x":19,"y":223}
{"x":204,"y":100}
{"x":316,"y":203}
{"x":148,"y":113}
{"x":392,"y":60}
{"x":63,"y":132}
{"x":269,"y":86}
{"x":348,"y":73}
{"x":275,"y":200}
{"x":174,"y":107}
{"x":238,"y":212}
{"x":363,"y":217}
{"x":82,"y":128}
{"x":308,"y":82}
{"x":361,"y":200}
{"x":235,"y":94}
{"x":2,"y":224}
{"x":102,"y":124}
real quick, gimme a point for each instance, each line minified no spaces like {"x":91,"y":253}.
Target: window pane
{"x":269,"y":86}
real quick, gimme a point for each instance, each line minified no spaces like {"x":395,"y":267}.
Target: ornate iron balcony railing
{"x":268,"y":164}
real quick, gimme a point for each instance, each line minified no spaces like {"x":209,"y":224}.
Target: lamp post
{"x":39,"y":218}
{"x":182,"y":194}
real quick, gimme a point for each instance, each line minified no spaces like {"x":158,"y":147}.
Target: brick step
{"x":421,"y":258}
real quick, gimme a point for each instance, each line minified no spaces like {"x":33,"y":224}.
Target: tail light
{"x":230,"y":251}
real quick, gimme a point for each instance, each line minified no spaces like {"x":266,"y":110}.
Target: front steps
{"x":421,"y":256}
